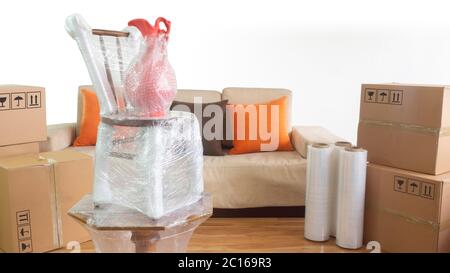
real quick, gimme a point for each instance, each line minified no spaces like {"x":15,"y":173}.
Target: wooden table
{"x":251,"y":235}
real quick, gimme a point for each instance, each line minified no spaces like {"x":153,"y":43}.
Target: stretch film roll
{"x":351,"y":195}
{"x":335,"y":176}
{"x":317,"y":212}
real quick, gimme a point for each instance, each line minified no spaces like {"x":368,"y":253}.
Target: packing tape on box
{"x":55,"y":205}
{"x":351,"y":198}
{"x":444,"y":131}
{"x":416,"y":220}
{"x":317,"y":211}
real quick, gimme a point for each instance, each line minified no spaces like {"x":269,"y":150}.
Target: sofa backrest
{"x":187,"y":95}
{"x":241,"y":95}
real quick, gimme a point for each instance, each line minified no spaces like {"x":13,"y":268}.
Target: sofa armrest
{"x":59,"y":137}
{"x":302,"y":136}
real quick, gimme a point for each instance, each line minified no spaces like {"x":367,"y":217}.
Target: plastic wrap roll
{"x":335,"y":174}
{"x":317,"y":212}
{"x":351,"y":196}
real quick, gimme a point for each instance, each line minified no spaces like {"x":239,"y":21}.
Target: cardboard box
{"x":22,"y":114}
{"x":19,"y":149}
{"x":407,"y":211}
{"x":406,"y":126}
{"x":36,"y":191}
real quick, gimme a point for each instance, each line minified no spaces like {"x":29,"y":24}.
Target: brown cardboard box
{"x":407,"y":211}
{"x":22,"y":114}
{"x":36,"y":192}
{"x":19,"y":149}
{"x":406,"y":126}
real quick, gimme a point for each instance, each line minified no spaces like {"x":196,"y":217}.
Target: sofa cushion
{"x":188,"y":95}
{"x":249,"y":120}
{"x":210,"y":146}
{"x":238,"y":95}
{"x":90,"y":119}
{"x":256,"y":180}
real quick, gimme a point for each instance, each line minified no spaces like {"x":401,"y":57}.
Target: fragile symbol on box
{"x":25,"y":246}
{"x":400,"y":184}
{"x":370,"y":96}
{"x":5,"y":102}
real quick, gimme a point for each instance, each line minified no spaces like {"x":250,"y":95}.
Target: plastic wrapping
{"x":130,"y":70}
{"x":351,"y":197}
{"x":147,"y":158}
{"x":317,"y":211}
{"x":335,"y":177}
{"x":152,"y":165}
{"x":118,"y":229}
{"x":150,"y":81}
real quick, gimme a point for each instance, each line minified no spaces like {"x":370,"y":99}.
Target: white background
{"x":321,"y":50}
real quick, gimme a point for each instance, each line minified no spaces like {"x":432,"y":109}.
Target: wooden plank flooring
{"x":252,"y":235}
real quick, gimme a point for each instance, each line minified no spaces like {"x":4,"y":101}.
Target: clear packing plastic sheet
{"x":119,"y":229}
{"x":153,"y":166}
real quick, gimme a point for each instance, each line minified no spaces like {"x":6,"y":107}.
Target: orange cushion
{"x":90,"y":118}
{"x":258,"y":116}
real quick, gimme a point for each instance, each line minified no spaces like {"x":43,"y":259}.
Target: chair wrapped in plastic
{"x":148,"y":159}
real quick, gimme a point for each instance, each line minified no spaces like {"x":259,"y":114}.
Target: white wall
{"x":322,"y":50}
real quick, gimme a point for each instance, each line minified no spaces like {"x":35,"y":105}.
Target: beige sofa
{"x":257,"y":180}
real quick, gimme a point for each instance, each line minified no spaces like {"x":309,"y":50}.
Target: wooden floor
{"x":252,"y":235}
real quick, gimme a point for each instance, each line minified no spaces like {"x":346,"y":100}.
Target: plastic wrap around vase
{"x":152,"y":165}
{"x":150,"y":82}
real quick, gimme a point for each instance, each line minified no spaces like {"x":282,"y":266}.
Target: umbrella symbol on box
{"x":383,"y":95}
{"x":414,"y":186}
{"x":18,"y":99}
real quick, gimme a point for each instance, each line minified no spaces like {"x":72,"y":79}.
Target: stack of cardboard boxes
{"x":36,"y":189}
{"x":406,"y":130}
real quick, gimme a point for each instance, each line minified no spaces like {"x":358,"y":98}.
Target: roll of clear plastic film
{"x":336,"y":175}
{"x":317,"y":211}
{"x":351,"y":197}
